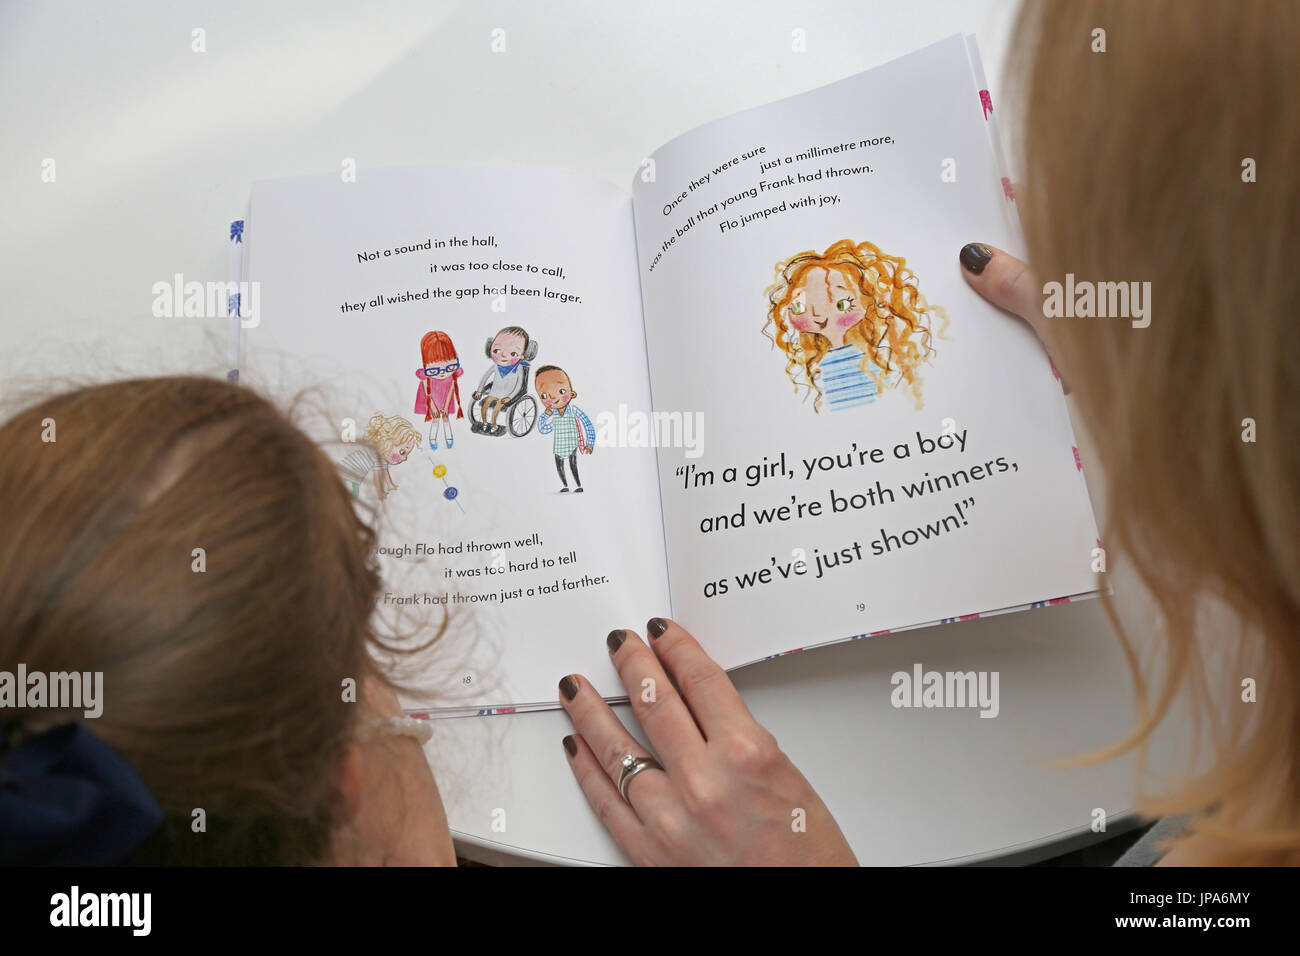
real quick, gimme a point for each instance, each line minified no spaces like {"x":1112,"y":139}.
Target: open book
{"x":754,"y":395}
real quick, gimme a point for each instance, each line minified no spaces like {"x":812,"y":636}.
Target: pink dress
{"x":438,"y":390}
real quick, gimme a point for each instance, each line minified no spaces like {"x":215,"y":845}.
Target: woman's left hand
{"x":727,"y":795}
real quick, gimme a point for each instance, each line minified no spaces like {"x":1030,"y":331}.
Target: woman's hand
{"x":727,"y":795}
{"x":1009,"y":284}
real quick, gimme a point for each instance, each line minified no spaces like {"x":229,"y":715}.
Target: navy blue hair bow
{"x":68,"y":799}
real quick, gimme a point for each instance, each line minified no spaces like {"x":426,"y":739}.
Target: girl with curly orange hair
{"x":851,"y":323}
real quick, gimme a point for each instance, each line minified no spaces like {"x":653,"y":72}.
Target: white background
{"x":155,"y":148}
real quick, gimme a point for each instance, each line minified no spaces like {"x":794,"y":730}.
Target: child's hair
{"x":437,"y":346}
{"x":386,"y":432}
{"x":894,"y":333}
{"x":222,"y":681}
{"x":514,"y":330}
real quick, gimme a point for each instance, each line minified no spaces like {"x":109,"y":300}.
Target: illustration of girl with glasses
{"x":438,"y":396}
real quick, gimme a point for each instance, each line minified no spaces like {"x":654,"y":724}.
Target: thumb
{"x":1008,"y":283}
{"x":1005,"y":281}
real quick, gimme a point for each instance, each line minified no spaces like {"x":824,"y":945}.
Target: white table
{"x":155,"y":145}
{"x":907,"y":786}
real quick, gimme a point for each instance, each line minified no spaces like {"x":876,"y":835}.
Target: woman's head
{"x":1161,"y":144}
{"x":852,"y":294}
{"x":183,"y":537}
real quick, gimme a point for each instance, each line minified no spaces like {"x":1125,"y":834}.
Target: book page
{"x":881,"y":449}
{"x":506,"y":300}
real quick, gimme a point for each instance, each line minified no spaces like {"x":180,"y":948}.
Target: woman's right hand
{"x":726,"y":795}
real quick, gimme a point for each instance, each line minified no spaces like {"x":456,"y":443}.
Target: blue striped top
{"x":842,"y":379}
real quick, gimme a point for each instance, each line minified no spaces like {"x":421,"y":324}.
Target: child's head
{"x":553,"y":387}
{"x":852,"y":294}
{"x":828,"y":302}
{"x":439,"y":355}
{"x":509,"y":346}
{"x":182,"y":537}
{"x":392,"y":436}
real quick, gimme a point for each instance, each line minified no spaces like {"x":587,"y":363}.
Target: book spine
{"x":234,"y":273}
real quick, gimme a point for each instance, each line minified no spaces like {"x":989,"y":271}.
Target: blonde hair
{"x":386,"y":432}
{"x":893,"y":336}
{"x":1135,"y":162}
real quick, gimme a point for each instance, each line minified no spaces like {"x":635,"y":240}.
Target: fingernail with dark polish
{"x":569,"y":688}
{"x":975,"y":256}
{"x":615,"y":640}
{"x":656,"y":626}
{"x":571,"y":745}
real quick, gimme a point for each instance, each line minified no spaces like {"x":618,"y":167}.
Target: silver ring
{"x":631,"y":766}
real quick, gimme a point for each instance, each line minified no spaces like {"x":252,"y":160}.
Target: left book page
{"x":474,"y":330}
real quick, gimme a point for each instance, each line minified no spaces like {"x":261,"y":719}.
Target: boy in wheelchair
{"x":506,"y":381}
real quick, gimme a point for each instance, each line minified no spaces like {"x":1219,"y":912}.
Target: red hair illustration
{"x":436,"y":348}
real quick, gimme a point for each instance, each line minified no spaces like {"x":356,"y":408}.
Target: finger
{"x":664,"y":717}
{"x":612,"y":810}
{"x":610,"y":741}
{"x":708,"y":691}
{"x":1003,"y":280}
{"x":1009,"y":284}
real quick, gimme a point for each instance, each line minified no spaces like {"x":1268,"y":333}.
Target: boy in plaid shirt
{"x":572,"y":429}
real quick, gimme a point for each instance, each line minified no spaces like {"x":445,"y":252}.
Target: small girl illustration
{"x":851,"y":323}
{"x":572,"y":429}
{"x":389,"y":440}
{"x":438,"y":394}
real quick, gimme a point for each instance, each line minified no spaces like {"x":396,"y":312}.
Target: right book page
{"x":875,"y":446}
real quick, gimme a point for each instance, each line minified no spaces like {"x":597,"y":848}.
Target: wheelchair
{"x":519,"y":413}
